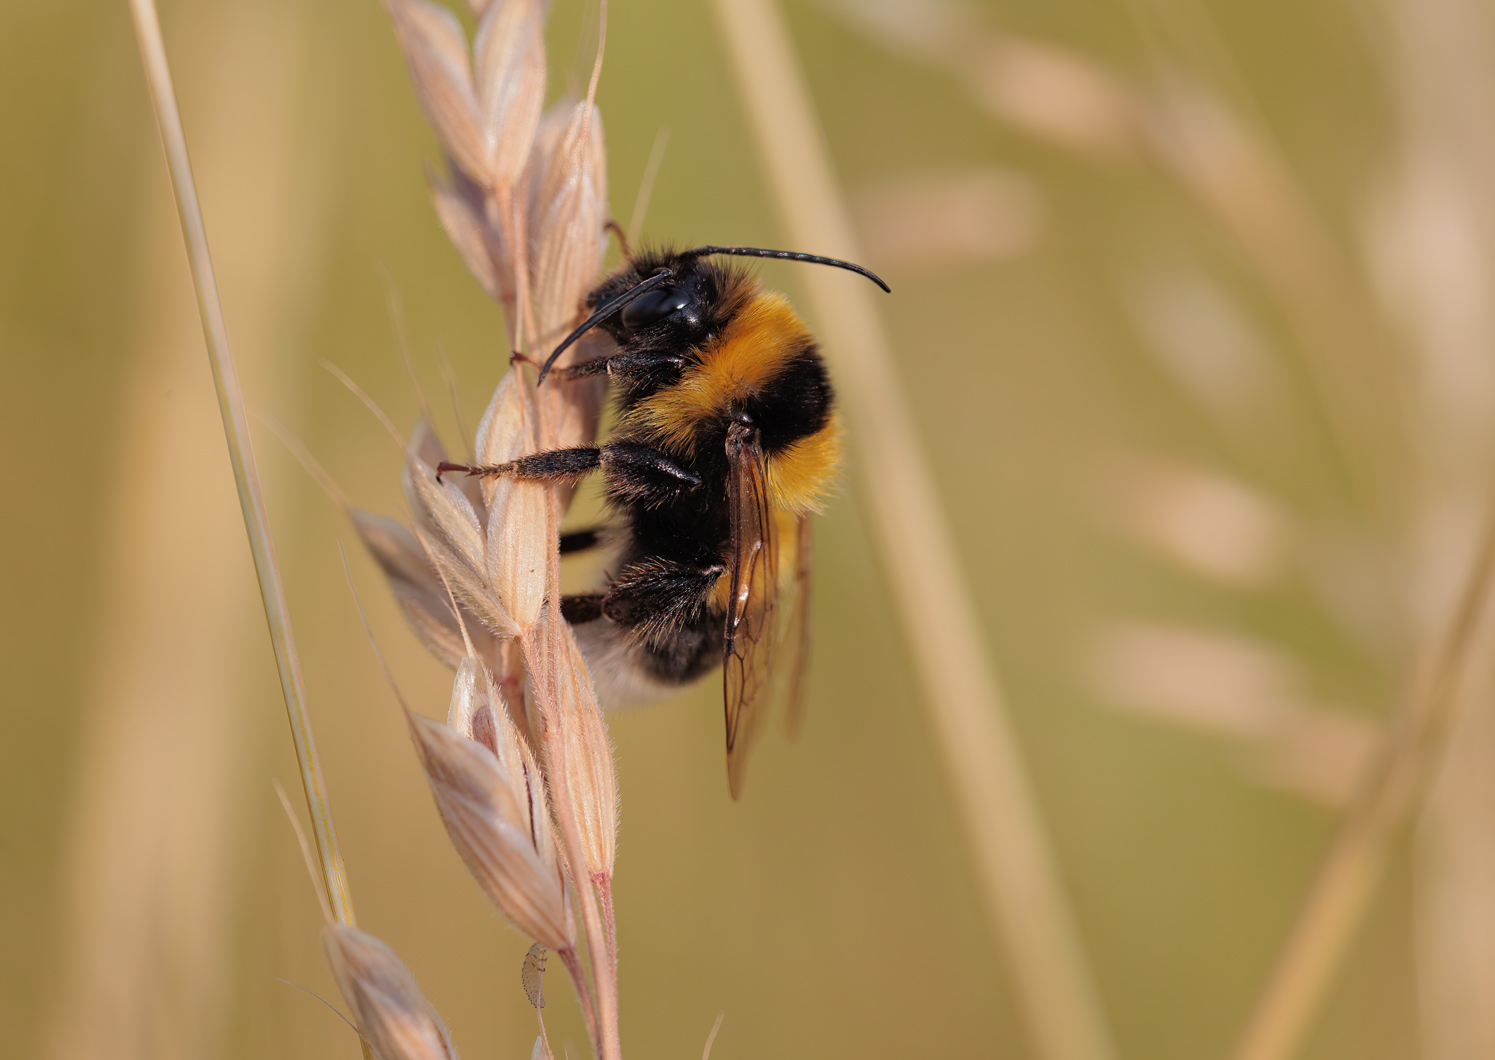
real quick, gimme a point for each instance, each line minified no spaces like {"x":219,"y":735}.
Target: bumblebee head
{"x":675,"y":294}
{"x":691,"y":300}
{"x":679,"y":301}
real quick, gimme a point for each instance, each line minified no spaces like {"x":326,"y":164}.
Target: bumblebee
{"x":726,"y":441}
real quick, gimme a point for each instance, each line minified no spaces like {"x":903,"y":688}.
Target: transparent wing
{"x":794,"y":637}
{"x":753,"y":580}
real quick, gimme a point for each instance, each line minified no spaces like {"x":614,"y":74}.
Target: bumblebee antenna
{"x":788,"y":255}
{"x":603,"y":312}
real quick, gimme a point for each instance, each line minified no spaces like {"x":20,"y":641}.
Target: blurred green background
{"x":1090,"y":353}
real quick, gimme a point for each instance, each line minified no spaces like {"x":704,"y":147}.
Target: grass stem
{"x":241,"y":453}
{"x":541,"y":661}
{"x":1341,"y":891}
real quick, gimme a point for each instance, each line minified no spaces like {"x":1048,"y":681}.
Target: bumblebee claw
{"x":445,"y":466}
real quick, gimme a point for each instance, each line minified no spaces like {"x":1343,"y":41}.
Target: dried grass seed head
{"x":416,"y":560}
{"x":486,"y":540}
{"x":470,"y":712}
{"x":422,"y":598}
{"x":391,"y":1013}
{"x":484,"y":105}
{"x":587,"y":751}
{"x":492,"y":801}
{"x":486,"y":109}
{"x":509,"y":65}
{"x":520,"y":538}
{"x":455,"y":540}
{"x":567,"y":214}
{"x":427,"y":449}
{"x":436,"y":52}
{"x":462,"y":208}
{"x":451,"y":526}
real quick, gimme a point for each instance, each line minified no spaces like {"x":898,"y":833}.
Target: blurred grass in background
{"x":1152,"y":507}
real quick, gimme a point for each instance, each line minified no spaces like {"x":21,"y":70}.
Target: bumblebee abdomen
{"x":803,"y":473}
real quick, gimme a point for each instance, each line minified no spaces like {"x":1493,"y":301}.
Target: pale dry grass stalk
{"x":482,"y":558}
{"x":241,"y":454}
{"x":1433,"y":255}
{"x":1346,"y":880}
{"x":478,"y":574}
{"x":1431,"y":241}
{"x":150,"y":879}
{"x":1021,"y":882}
{"x":246,"y":479}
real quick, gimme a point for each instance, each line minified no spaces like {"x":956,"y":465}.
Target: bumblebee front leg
{"x":633,"y":471}
{"x":557,"y":465}
{"x":622,"y":364}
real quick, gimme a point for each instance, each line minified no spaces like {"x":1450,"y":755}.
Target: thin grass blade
{"x":241,"y":453}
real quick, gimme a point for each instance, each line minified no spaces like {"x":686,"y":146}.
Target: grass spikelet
{"x":393,"y":1016}
{"x":525,"y":205}
{"x":490,"y":798}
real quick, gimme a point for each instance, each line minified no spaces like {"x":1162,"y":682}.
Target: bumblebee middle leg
{"x":634,"y":472}
{"x":627,"y":363}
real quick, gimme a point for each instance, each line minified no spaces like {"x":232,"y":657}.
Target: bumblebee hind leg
{"x":651,"y":632}
{"x":666,"y":606}
{"x":577,"y":608}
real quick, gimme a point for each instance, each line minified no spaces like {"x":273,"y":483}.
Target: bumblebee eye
{"x":654,"y":307}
